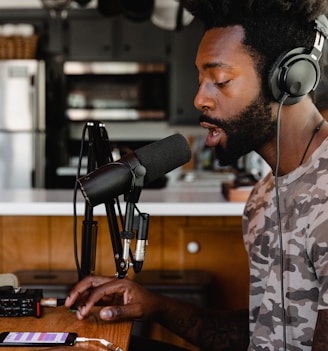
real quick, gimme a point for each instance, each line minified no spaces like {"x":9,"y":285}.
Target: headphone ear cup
{"x":294,"y":73}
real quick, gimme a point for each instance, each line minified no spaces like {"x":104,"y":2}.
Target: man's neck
{"x":300,"y":135}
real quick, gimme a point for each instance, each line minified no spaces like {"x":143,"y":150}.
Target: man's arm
{"x":208,"y":329}
{"x":125,"y":299}
{"x":320,"y":339}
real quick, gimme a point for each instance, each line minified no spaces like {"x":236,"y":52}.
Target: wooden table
{"x":60,"y":319}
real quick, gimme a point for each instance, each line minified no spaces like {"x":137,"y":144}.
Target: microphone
{"x":143,"y":166}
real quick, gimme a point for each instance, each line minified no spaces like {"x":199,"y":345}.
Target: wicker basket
{"x":18,"y":47}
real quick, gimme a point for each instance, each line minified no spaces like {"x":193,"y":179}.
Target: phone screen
{"x":38,"y":338}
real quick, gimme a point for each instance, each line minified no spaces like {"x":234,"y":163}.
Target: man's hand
{"x":122,"y":298}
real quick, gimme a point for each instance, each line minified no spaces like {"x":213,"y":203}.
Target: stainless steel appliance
{"x":22,"y":124}
{"x":111,"y":92}
{"x":116,"y":91}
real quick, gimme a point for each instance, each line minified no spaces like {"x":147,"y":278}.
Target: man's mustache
{"x":209,"y":120}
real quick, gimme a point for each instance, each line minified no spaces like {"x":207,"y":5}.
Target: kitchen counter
{"x":180,"y":199}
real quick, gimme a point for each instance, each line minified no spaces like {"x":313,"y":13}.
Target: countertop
{"x":186,"y":200}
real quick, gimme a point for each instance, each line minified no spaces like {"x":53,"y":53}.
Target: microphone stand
{"x":99,"y":154}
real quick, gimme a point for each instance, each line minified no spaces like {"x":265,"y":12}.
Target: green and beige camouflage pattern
{"x":303,"y":202}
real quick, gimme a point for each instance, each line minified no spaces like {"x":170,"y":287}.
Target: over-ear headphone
{"x":297,"y":72}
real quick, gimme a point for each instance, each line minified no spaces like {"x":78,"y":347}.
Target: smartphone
{"x":37,"y":338}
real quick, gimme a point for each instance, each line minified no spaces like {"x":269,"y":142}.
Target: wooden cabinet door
{"x":210,"y":244}
{"x":25,"y":243}
{"x":61,"y":241}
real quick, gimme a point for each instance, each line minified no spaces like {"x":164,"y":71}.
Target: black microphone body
{"x":149,"y":163}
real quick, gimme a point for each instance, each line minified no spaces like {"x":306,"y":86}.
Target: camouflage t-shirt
{"x":303,"y":202}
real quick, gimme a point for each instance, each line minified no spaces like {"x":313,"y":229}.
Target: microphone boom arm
{"x":99,"y":154}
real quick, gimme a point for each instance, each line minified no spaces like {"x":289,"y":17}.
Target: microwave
{"x":116,"y":91}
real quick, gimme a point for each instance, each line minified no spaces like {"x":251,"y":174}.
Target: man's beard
{"x":246,"y":131}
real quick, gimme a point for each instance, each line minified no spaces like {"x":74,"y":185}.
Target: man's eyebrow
{"x":218,"y":64}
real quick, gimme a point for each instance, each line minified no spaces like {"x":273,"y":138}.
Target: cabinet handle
{"x":193,"y":247}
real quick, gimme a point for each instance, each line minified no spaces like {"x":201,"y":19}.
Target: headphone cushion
{"x":299,"y":78}
{"x":294,"y":73}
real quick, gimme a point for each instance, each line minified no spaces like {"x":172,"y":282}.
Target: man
{"x":285,"y":217}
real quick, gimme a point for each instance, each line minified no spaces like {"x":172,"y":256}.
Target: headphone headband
{"x":322,"y":25}
{"x":297,"y":72}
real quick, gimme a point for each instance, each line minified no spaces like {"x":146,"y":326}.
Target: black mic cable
{"x":76,"y":258}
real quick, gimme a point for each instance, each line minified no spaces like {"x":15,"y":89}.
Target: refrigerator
{"x":22,"y":124}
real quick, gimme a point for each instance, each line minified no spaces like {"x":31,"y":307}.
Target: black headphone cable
{"x":281,"y":249}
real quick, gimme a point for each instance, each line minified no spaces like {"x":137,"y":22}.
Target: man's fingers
{"x":83,"y":286}
{"x":110,"y":289}
{"x":119,"y":313}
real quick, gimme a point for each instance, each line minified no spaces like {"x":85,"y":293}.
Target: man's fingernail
{"x":78,"y":314}
{"x":106,"y":314}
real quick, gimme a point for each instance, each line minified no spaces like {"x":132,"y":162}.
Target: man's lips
{"x":214,"y":134}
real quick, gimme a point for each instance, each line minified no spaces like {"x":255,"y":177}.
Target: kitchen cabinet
{"x":184,"y":76}
{"x":140,"y":41}
{"x":89,"y":42}
{"x":24,"y":243}
{"x":210,"y":244}
{"x":115,"y":39}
